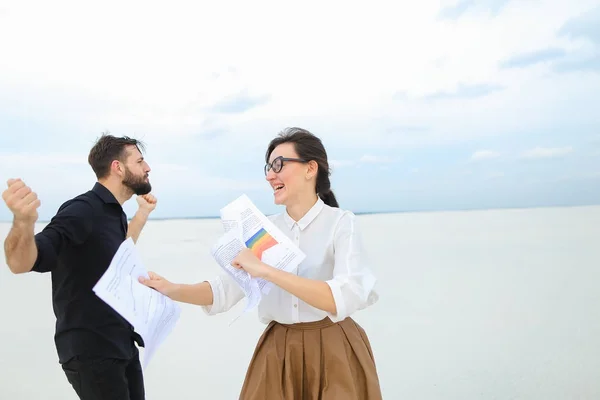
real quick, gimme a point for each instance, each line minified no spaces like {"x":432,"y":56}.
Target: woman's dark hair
{"x":310,"y":148}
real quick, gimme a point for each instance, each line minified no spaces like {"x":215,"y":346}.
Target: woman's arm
{"x":215,"y":296}
{"x":351,"y":287}
{"x":199,"y":294}
{"x":316,"y":293}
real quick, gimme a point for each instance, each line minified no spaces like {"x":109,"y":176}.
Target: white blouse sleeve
{"x":353,"y":282}
{"x":226,"y":294}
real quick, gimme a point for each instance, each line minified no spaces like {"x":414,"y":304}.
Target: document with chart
{"x":152,"y":314}
{"x":246,"y":226}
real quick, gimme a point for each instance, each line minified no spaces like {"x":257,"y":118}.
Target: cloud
{"x":207,"y":89}
{"x":595,"y":140}
{"x":371,"y":159}
{"x":16,"y":164}
{"x":41,"y":160}
{"x":587,"y":175}
{"x":484,"y":155}
{"x":546,"y":152}
{"x":211,"y":134}
{"x":494,"y":176}
{"x":239,"y":103}
{"x":207,"y":94}
{"x":533,"y":57}
{"x":466,"y":91}
{"x":55,"y":177}
{"x":583,"y":33}
{"x":579,"y":64}
{"x":458,"y":9}
{"x":407,"y":129}
{"x":364,"y":160}
{"x":584,"y":26}
{"x":341,"y":163}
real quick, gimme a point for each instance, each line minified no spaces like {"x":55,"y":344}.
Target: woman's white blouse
{"x":334,"y":252}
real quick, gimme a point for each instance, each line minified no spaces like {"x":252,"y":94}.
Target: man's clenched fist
{"x":21,"y":200}
{"x":146,"y":202}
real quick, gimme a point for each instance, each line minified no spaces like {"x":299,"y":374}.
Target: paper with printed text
{"x":152,"y":314}
{"x":246,"y":226}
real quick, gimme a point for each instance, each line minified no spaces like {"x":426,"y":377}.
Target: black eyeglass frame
{"x":269,"y":166}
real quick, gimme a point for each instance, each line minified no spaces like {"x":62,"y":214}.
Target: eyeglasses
{"x":277,"y":164}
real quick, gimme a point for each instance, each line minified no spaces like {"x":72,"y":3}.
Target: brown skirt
{"x":318,"y":360}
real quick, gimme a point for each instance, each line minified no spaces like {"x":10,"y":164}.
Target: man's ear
{"x":117,"y":167}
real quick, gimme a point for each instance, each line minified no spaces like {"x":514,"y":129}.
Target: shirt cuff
{"x":338,"y":298}
{"x":45,"y":259}
{"x":218,"y":294}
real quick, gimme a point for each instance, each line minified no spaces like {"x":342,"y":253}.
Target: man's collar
{"x":104,"y":194}
{"x":308,"y":217}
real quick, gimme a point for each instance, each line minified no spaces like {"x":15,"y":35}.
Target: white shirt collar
{"x":308,"y":217}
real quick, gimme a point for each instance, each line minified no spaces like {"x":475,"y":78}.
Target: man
{"x":95,"y":345}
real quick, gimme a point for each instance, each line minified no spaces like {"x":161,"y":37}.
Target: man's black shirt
{"x":76,"y":247}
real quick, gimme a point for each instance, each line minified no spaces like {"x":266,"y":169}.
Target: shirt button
{"x":295,"y":305}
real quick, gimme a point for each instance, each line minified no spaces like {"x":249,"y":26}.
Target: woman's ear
{"x":312,"y":170}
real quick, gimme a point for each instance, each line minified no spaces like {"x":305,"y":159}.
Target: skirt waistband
{"x":324,"y":323}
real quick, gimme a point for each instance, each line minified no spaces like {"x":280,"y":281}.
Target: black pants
{"x":106,"y":378}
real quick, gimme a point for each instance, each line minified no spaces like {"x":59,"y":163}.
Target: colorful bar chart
{"x":260,"y":241}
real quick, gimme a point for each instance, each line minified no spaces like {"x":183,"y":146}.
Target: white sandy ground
{"x":498,"y":304}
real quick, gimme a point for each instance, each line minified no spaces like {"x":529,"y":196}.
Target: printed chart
{"x":260,"y":241}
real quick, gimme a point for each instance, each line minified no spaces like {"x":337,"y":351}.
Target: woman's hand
{"x":248,"y":261}
{"x":159,"y":283}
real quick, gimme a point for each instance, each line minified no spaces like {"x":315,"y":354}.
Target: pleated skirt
{"x":319,"y":360}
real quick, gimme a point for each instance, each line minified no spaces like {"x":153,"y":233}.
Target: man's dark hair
{"x":107,"y":149}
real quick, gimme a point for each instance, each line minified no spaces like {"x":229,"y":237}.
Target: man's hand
{"x":146,"y":203}
{"x":21,"y":201}
{"x":19,"y":247}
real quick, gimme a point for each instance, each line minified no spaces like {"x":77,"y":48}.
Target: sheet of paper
{"x":246,"y":226}
{"x":260,"y":235}
{"x":224,"y":251}
{"x":152,"y":314}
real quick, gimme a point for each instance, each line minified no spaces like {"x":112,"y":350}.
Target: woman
{"x":311,"y":348}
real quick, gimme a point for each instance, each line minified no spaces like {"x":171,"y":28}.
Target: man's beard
{"x":137,"y":184}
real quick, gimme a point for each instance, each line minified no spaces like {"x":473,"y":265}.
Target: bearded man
{"x":96,"y":346}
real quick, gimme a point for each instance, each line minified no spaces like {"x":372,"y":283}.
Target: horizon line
{"x":406,"y":211}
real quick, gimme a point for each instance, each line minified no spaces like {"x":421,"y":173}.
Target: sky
{"x":429,"y":105}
